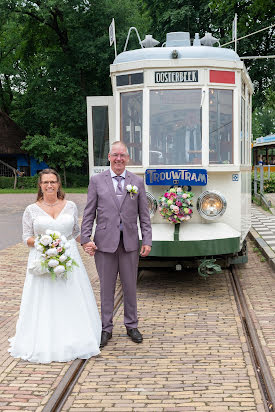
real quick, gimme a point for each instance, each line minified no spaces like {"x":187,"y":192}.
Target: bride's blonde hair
{"x":60,"y":193}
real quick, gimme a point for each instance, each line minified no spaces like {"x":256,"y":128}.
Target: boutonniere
{"x":132,"y":189}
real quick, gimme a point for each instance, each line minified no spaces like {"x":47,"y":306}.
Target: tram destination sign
{"x":185,"y":76}
{"x":181,"y":177}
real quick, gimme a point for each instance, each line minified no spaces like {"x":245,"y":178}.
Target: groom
{"x":116,"y":243}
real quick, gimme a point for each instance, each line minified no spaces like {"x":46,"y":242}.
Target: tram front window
{"x":131,"y":128}
{"x":175,"y":127}
{"x":220,"y":126}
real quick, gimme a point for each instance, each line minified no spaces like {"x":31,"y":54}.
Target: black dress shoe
{"x":135,"y":335}
{"x":105,"y":336}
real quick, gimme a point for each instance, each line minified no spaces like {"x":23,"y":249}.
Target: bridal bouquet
{"x":55,"y":259}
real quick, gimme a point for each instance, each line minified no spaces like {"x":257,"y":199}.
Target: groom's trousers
{"x":108,"y":266}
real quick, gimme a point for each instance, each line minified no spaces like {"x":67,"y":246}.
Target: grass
{"x":34,"y":190}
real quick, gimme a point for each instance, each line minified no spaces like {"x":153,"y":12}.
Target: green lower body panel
{"x":185,"y":248}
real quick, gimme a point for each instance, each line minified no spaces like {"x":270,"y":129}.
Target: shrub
{"x":269,"y":184}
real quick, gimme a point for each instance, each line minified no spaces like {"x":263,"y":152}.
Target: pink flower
{"x":190,"y":211}
{"x":59,"y":249}
{"x":167,"y":195}
{"x":176,"y":209}
{"x":172,"y":195}
{"x":185,"y":195}
{"x":178,"y":203}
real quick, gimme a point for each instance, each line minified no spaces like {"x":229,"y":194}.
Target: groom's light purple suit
{"x":116,"y":253}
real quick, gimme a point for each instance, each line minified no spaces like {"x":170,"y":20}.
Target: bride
{"x":58,"y":319}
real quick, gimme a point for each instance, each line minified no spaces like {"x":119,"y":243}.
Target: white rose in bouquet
{"x":51,"y":252}
{"x":59,"y":269}
{"x":53,"y":263}
{"x":46,"y":240}
{"x":57,"y":234}
{"x":49,"y":232}
{"x":63,"y":258}
{"x":39,"y":248}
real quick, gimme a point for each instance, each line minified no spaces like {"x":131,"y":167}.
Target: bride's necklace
{"x":50,"y":204}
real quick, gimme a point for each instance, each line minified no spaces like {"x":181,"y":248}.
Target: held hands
{"x":90,"y":248}
{"x":145,"y":250}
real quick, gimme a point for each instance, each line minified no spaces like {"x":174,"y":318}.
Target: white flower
{"x":57,"y":234}
{"x":49,"y":232}
{"x":46,"y":240}
{"x":62,"y":258}
{"x":53,"y":263}
{"x":52,"y":252}
{"x":69,"y":263}
{"x":39,"y":248}
{"x":59,"y":269}
{"x":132,"y":189}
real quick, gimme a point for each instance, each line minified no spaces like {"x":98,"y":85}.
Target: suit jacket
{"x":103,"y":204}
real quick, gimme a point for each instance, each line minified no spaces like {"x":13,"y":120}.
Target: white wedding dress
{"x":58,"y":319}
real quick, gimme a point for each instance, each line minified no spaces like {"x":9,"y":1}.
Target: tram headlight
{"x":211,"y":204}
{"x":152,"y":204}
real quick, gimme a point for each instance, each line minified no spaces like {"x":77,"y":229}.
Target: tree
{"x":54,"y":53}
{"x":178,"y":15}
{"x":253,"y":15}
{"x":263,"y":119}
{"x":58,"y":150}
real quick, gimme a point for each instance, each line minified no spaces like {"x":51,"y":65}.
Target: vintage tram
{"x":184,"y":112}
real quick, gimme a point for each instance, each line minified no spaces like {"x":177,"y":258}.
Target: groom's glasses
{"x":123,"y":156}
{"x":49,"y":183}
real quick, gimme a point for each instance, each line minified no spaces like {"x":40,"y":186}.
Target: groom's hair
{"x":60,"y":193}
{"x":119,"y":142}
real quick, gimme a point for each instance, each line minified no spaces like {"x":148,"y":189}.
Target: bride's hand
{"x":89,"y":248}
{"x":30,"y":241}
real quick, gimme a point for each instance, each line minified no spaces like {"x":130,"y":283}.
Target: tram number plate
{"x":181,"y":177}
{"x":235,"y":177}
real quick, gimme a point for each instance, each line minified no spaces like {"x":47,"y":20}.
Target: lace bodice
{"x":36,"y":221}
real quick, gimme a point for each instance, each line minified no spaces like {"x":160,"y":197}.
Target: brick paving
{"x":23,"y":385}
{"x":193,"y":358}
{"x":259,"y":290}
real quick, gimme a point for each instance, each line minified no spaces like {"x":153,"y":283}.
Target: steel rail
{"x":67,"y":383}
{"x":262,"y":369}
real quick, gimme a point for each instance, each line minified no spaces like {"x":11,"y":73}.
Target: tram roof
{"x":265,"y":141}
{"x":189,"y":52}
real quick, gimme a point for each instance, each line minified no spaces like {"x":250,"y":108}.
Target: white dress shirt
{"x":115,"y":182}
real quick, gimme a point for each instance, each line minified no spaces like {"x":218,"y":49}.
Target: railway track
{"x":262,"y":370}
{"x":66,"y":385}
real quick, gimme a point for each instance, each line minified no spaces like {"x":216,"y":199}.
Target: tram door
{"x":100,"y":119}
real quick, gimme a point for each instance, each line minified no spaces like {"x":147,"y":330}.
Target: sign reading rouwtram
{"x":182,"y":177}
{"x":184,"y":76}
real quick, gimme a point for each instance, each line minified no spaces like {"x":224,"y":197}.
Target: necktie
{"x":119,"y":190}
{"x":119,"y":193}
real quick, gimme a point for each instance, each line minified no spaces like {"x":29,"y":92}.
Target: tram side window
{"x":131,"y":124}
{"x":220,"y":126}
{"x":175,"y":127}
{"x":100,"y":135}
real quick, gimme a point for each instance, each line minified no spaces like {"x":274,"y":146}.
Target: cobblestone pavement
{"x":193,"y":358}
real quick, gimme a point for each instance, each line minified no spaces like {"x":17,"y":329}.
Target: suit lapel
{"x":110,"y":185}
{"x":127,"y":182}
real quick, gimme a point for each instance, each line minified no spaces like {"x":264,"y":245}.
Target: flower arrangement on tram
{"x":176,"y":205}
